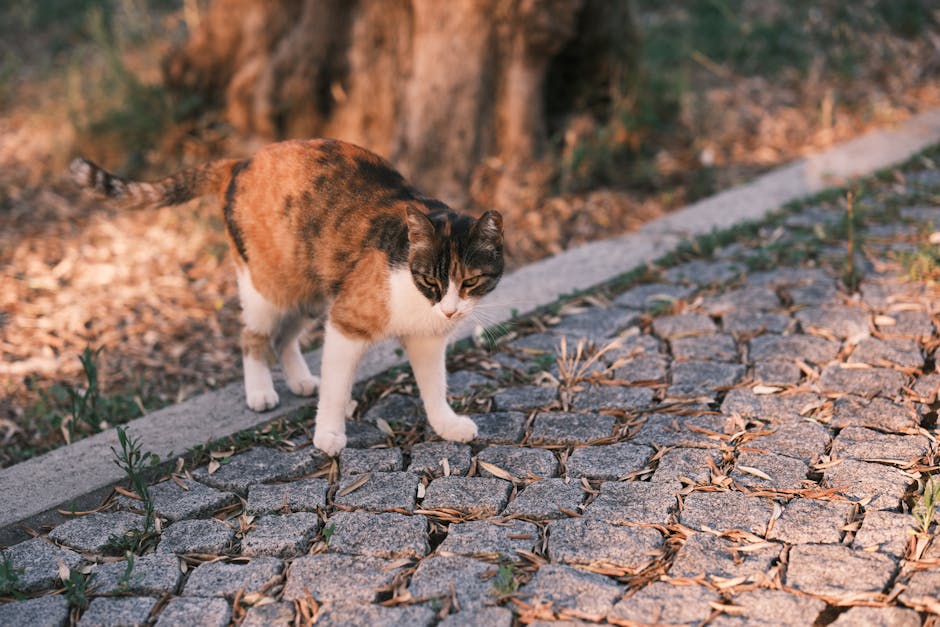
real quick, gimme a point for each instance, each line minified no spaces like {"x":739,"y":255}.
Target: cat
{"x":324,"y":228}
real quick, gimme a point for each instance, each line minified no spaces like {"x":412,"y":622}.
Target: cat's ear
{"x":489,"y":227}
{"x":420,"y":228}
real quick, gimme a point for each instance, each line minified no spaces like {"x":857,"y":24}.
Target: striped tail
{"x":173,"y":190}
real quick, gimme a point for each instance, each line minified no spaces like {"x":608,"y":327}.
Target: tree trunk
{"x":453,"y":92}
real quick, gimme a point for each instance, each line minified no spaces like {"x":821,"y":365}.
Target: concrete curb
{"x":80,"y":474}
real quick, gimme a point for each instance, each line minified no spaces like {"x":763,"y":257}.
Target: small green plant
{"x":126,"y":578}
{"x":850,"y":274}
{"x":9,"y":578}
{"x":135,"y":462}
{"x":77,"y":588}
{"x":505,"y":581}
{"x":328,"y":533}
{"x":926,"y":507}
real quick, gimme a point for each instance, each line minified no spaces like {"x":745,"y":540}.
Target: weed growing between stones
{"x":926,"y":506}
{"x":9,"y":579}
{"x":134,"y":462}
{"x":77,"y":586}
{"x":505,"y":581}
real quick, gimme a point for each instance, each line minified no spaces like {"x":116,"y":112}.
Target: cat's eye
{"x":426,"y":280}
{"x":472,"y":282}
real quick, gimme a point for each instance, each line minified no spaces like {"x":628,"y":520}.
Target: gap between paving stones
{"x":79,"y":475}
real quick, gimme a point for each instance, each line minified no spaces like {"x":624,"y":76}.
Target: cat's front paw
{"x":304,"y":386}
{"x":330,"y":442}
{"x":457,"y":428}
{"x":262,"y":399}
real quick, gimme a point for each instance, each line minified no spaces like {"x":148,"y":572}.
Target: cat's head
{"x":455,"y":259}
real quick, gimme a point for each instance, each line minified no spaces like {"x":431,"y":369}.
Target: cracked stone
{"x":868,"y":445}
{"x":642,"y":368}
{"x":427,"y":456}
{"x":786,"y":473}
{"x":586,"y":541}
{"x":857,"y":481}
{"x":151,"y":575}
{"x":389,"y":535}
{"x":338,"y":577}
{"x":877,"y":413}
{"x":482,"y":617}
{"x":260,"y":465}
{"x":773,"y":607}
{"x":396,"y":409}
{"x":222,"y":579}
{"x":93,"y":533}
{"x":678,"y":430}
{"x":613,"y":397}
{"x":544,"y":499}
{"x":279,"y":614}
{"x":692,"y":378}
{"x":652,"y":295}
{"x":841,"y":322}
{"x":683,"y":325}
{"x":715,"y":347}
{"x":570,"y":429}
{"x":596,"y":324}
{"x":357,"y":461}
{"x":707,"y":554}
{"x":909,"y":324}
{"x":690,"y":463}
{"x":777,"y":372}
{"x":721,"y":511}
{"x":477,"y":496}
{"x":878,"y":352}
{"x":785,"y":408}
{"x":286,"y":535}
{"x":744,"y":300}
{"x":348,"y":614}
{"x":305,"y":495}
{"x":878,"y":617}
{"x":519,"y":461}
{"x":483,"y":538}
{"x":805,"y":440}
{"x":192,"y":611}
{"x":382,"y":491}
{"x":809,"y":348}
{"x":705,"y":272}
{"x":661,"y":603}
{"x":566,"y":588}
{"x":174,"y":502}
{"x":611,"y":461}
{"x":836,"y":570}
{"x":885,"y":532}
{"x":440,"y":576}
{"x":806,"y":521}
{"x":106,"y":611}
{"x":209,"y":536}
{"x":36,"y":563}
{"x":755,"y":323}
{"x":464,"y":382}
{"x":633,"y":502}
{"x":525,"y":397}
{"x":47,"y":611}
{"x":499,"y":427}
{"x":860,"y":381}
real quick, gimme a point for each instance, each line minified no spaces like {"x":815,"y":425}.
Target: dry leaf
{"x":446,"y":465}
{"x":213,"y":466}
{"x":756,"y":472}
{"x":355,"y":485}
{"x":384,"y":427}
{"x":885,"y":321}
{"x":765,"y":389}
{"x":496,"y":471}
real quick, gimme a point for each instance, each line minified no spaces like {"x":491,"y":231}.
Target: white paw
{"x":262,"y":399}
{"x":304,"y":386}
{"x":457,"y":428}
{"x":330,"y":442}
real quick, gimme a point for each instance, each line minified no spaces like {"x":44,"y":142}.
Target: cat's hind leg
{"x":296,"y":372}
{"x":341,"y":355}
{"x":261,"y":319}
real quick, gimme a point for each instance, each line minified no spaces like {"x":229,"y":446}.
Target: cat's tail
{"x":173,"y":190}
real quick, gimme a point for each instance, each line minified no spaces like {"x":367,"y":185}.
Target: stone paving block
{"x":174,"y":502}
{"x":223,"y":579}
{"x":107,"y":612}
{"x":586,"y":541}
{"x":909,"y":324}
{"x":783,"y":408}
{"x":280,"y":614}
{"x":93,"y":533}
{"x":693,"y":378}
{"x":707,"y":554}
{"x":705,"y":272}
{"x":877,"y":413}
{"x":190,"y":611}
{"x":885,"y":532}
{"x":642,"y":368}
{"x":835,"y":570}
{"x":477,"y":496}
{"x":786,"y":473}
{"x":926,"y":386}
{"x":863,"y":382}
{"x":537,"y":344}
{"x":721,"y":511}
{"x":390,"y":535}
{"x":819,"y":293}
{"x":805,"y":440}
{"x":47,"y":611}
{"x":482,"y":617}
{"x":688,"y":463}
{"x":499,"y":427}
{"x":347,"y":614}
{"x":777,"y":372}
{"x":208,"y":536}
{"x":396,"y":409}
{"x":260,"y":465}
{"x":867,"y":444}
{"x":877,"y":617}
{"x":597,"y":397}
{"x":755,"y":323}
{"x":922,"y":586}
{"x":363,"y":435}
{"x":36,"y":563}
{"x":305,"y":495}
{"x":570,"y":429}
{"x":519,"y":461}
{"x":664,"y":603}
{"x":285,"y":535}
{"x":633,"y":502}
{"x":683,"y":325}
{"x":806,"y":521}
{"x":839,"y":321}
{"x":525,"y":397}
{"x":338,"y":577}
{"x":566,"y":588}
{"x":611,"y":461}
{"x":595,"y":324}
{"x":464,"y":382}
{"x":878,"y":352}
{"x":714,"y":347}
{"x":786,"y":276}
{"x":857,"y":480}
{"x":649,"y":295}
{"x":807,"y":348}
{"x":382,"y":491}
{"x":427,"y":456}
{"x":543,"y":499}
{"x":483,"y":538}
{"x":749,"y":299}
{"x":354,"y":461}
{"x":630,"y":346}
{"x":678,"y":430}
{"x":772,"y":607}
{"x":150,"y":575}
{"x":440,"y":576}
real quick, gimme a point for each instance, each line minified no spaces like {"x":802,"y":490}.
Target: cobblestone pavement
{"x":739,"y":442}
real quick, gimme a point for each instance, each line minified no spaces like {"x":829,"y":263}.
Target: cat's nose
{"x":448,"y":313}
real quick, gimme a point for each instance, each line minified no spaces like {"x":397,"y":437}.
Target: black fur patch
{"x":389,"y":234}
{"x":228,"y":211}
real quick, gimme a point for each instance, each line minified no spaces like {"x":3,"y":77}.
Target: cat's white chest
{"x":410,"y":313}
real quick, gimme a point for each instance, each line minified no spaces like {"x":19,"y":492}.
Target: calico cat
{"x":323,"y":228}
